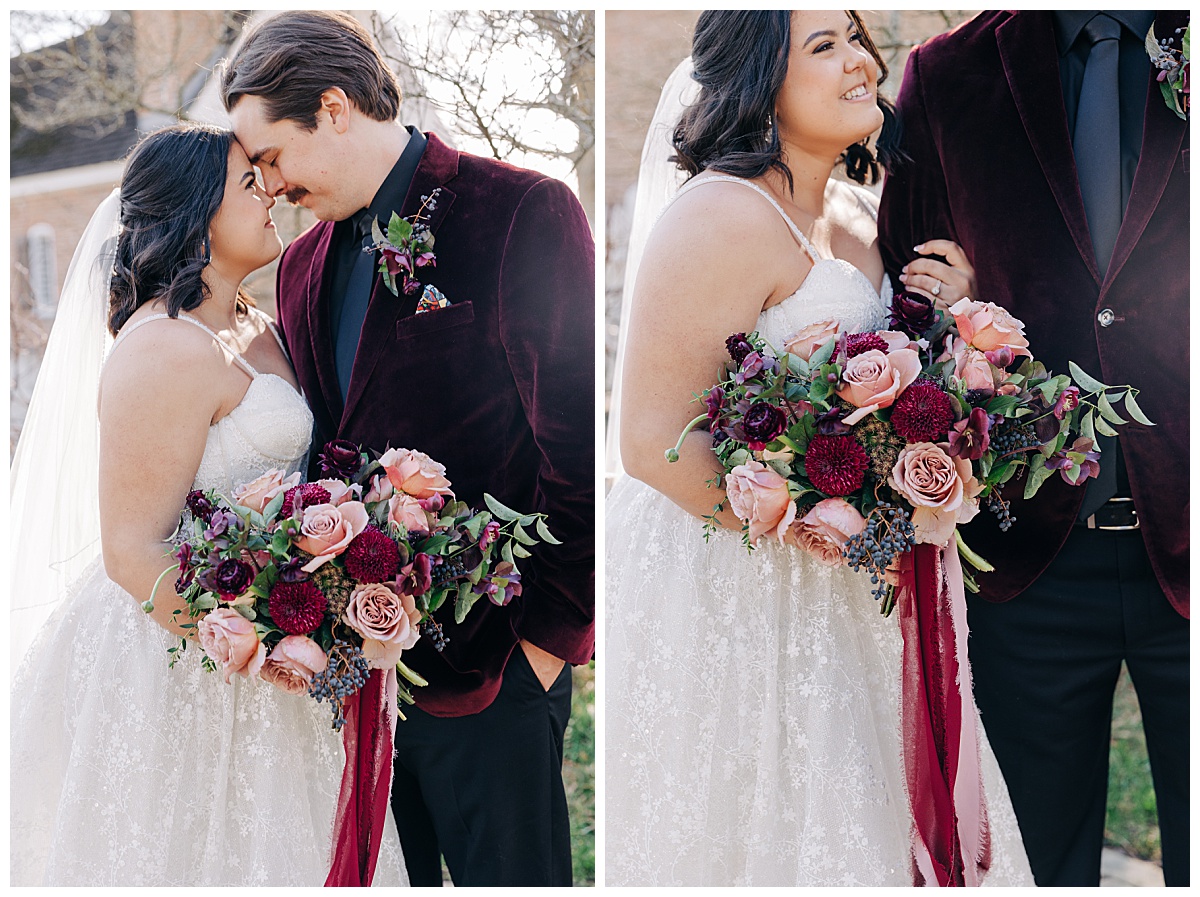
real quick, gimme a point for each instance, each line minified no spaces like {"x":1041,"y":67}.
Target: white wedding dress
{"x":752,"y":730}
{"x":126,"y":772}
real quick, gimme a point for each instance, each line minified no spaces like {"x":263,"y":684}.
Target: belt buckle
{"x":1137,"y":523}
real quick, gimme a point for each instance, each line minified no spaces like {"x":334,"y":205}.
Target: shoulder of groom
{"x":965,"y":41}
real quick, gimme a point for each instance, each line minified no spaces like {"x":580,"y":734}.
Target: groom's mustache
{"x":295,"y":195}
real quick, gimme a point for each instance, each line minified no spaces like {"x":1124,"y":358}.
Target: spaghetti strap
{"x":796,"y":232}
{"x":274,"y":330}
{"x":246,"y":366}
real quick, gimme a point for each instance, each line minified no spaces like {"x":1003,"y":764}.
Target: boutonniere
{"x":1173,"y":63}
{"x":407,"y":246}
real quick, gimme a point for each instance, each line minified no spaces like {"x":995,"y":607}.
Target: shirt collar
{"x":1069,"y":23}
{"x":390,"y":195}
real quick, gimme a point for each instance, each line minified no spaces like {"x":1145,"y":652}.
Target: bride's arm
{"x":711,"y":263}
{"x":158,"y":396}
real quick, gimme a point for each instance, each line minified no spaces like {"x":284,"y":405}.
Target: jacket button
{"x":1106,"y":317}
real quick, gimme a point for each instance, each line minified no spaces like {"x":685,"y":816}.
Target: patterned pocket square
{"x":431,"y":300}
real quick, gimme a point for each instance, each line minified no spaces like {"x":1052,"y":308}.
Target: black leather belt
{"x":1116,"y":514}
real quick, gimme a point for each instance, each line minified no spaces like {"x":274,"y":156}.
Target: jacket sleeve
{"x":915,"y":205}
{"x":547,"y":327}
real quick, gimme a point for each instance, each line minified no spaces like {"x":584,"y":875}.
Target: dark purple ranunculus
{"x":200,"y":506}
{"x":763,"y":422}
{"x":1068,"y":399}
{"x":341,"y":458}
{"x":913,"y":313}
{"x":969,"y":437}
{"x":830,"y":423}
{"x":739,"y":347}
{"x":232,"y":578}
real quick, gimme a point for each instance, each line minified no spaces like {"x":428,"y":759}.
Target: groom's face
{"x":301,"y":166}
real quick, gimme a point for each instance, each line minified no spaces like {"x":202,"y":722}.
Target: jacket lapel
{"x":318,"y":326}
{"x":1162,"y":139}
{"x":439,"y":164}
{"x":1030,"y":60}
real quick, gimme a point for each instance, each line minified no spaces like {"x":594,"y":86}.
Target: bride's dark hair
{"x":740,"y":60}
{"x":173,"y":184}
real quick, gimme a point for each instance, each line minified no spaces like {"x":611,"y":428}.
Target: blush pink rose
{"x":874,"y":380}
{"x":415,"y":473}
{"x":987,"y":326}
{"x":339,"y":492}
{"x":230,"y":641}
{"x":380,"y":613}
{"x":326,"y":530}
{"x":805,"y":343}
{"x":897,"y":339}
{"x":409,"y":514}
{"x":973,"y":369}
{"x":291,"y":664}
{"x":258,"y":493}
{"x":824,"y":530}
{"x":942,"y":490}
{"x":759,"y":496}
{"x":381,"y":489}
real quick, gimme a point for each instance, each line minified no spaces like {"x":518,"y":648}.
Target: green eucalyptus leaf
{"x":1134,"y":411}
{"x":1103,"y":428}
{"x":501,"y":511}
{"x":464,"y":601}
{"x":544,"y":532}
{"x":822,"y":355}
{"x":1086,"y":430}
{"x":376,"y":233}
{"x":1107,"y":412}
{"x":519,"y":551}
{"x":271,"y":511}
{"x":1038,"y":474}
{"x":523,"y":537}
{"x":1084,"y":380}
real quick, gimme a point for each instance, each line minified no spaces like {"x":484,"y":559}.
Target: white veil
{"x":54,"y":509}
{"x":658,"y":180}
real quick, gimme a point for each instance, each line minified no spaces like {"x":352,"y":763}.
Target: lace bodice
{"x":270,"y":427}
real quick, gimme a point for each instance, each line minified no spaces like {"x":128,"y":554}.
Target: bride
{"x":124,"y":771}
{"x":754,"y":738}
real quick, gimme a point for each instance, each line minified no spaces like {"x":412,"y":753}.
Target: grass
{"x":1131,"y":820}
{"x":579,"y":774}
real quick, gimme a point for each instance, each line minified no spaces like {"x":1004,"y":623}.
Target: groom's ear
{"x":336,"y":105}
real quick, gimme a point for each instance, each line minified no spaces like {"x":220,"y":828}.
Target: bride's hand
{"x":944,"y":283}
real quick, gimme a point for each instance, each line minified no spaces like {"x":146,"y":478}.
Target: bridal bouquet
{"x":310,"y":586}
{"x":857,"y":446}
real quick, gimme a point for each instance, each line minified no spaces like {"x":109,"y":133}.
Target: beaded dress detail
{"x":127,"y":772}
{"x":752,"y":715}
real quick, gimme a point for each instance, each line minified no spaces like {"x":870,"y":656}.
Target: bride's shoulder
{"x":714,"y":211}
{"x":170,"y":352}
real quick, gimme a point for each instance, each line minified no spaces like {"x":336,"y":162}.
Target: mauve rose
{"x":233,"y":577}
{"x":824,"y":530}
{"x":326,"y":530}
{"x":805,"y":342}
{"x":230,"y":641}
{"x":383,"y":614}
{"x":987,"y":326}
{"x":258,"y":493}
{"x":341,"y":458}
{"x":415,"y":473}
{"x":406,"y":513}
{"x":874,"y":380}
{"x":941,"y":489}
{"x":759,"y":496}
{"x":291,"y":664}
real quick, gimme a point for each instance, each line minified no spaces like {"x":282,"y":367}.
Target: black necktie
{"x":1097,"y":137}
{"x":348,"y":327}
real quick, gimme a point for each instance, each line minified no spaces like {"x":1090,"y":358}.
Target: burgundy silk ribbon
{"x":951,"y":843}
{"x":367,"y":738}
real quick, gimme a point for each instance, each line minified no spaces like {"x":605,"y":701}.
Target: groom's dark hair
{"x":292,"y":58}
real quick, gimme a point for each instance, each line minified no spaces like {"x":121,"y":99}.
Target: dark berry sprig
{"x":346,"y":673}
{"x":451,"y":568}
{"x":888,"y":534}
{"x":432,"y":630}
{"x":998,"y":506}
{"x":1010,"y":438}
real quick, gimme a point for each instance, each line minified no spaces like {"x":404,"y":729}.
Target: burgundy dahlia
{"x":372,"y":556}
{"x":232,"y":578}
{"x":763,"y":422}
{"x":296,"y":607}
{"x":923,"y":413}
{"x":308,"y":493}
{"x":341,"y":458}
{"x":835,"y":464}
{"x":857,"y":343}
{"x":913,"y":313}
{"x":739,"y":347}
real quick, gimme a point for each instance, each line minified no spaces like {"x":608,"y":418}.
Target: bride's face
{"x":243,"y":235}
{"x":829,"y":98}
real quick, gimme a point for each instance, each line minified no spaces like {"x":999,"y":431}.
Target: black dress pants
{"x":1045,"y":667}
{"x":485,"y":791}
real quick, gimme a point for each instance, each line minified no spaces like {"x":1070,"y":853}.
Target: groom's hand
{"x":545,"y":665}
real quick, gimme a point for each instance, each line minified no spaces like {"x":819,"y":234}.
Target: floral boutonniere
{"x":1172,"y":57}
{"x":408,"y":245}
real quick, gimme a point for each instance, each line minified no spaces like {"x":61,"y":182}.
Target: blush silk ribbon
{"x":951,"y":842}
{"x":367,"y":739}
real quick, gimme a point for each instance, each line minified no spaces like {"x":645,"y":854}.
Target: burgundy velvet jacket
{"x":992,"y":168}
{"x":498,"y":386}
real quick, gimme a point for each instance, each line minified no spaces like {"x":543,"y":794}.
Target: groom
{"x":1042,"y":143}
{"x":495,"y":380}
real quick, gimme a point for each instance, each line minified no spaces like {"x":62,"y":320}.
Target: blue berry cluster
{"x":889,"y":533}
{"x":1010,"y":437}
{"x":998,"y":506}
{"x":432,"y":630}
{"x":346,"y":674}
